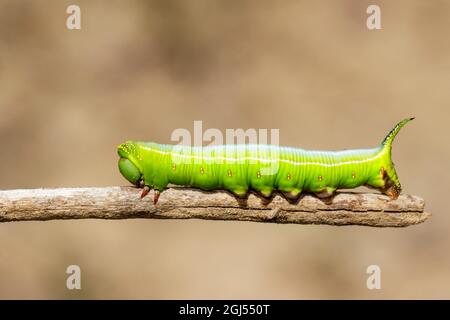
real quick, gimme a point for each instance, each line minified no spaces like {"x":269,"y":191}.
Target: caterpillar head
{"x":129,"y":165}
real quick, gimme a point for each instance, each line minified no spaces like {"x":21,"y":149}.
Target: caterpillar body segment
{"x":263,"y":168}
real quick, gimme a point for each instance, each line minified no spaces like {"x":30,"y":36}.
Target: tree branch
{"x":368,"y":209}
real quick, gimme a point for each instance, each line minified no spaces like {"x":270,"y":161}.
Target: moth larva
{"x":240,"y":168}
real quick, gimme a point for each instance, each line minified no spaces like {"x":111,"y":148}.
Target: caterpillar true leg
{"x":156,"y":196}
{"x":145,"y":191}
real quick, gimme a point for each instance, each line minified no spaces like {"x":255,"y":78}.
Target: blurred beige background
{"x":140,"y":69}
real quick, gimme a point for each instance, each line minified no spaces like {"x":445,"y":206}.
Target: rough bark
{"x":368,"y":209}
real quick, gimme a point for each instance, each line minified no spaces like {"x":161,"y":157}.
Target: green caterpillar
{"x":240,"y":168}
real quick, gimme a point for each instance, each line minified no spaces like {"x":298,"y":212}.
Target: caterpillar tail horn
{"x":392,"y":186}
{"x":387,"y":142}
